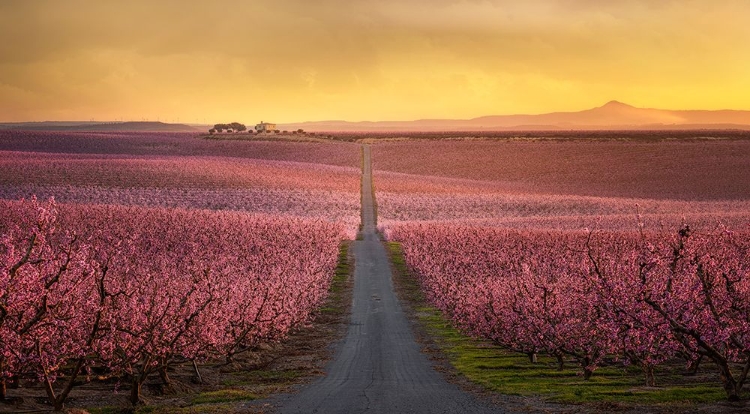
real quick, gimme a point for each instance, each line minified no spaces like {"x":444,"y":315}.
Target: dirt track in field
{"x":378,"y":367}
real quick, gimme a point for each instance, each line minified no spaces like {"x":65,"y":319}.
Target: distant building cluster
{"x":262,"y":127}
{"x":265,"y":127}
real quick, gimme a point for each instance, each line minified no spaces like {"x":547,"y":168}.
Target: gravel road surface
{"x":378,"y":366}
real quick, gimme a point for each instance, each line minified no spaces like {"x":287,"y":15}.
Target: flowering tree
{"x":700,"y":284}
{"x":52,"y":299}
{"x":642,"y":297}
{"x":134,"y":290}
{"x":643,"y":338}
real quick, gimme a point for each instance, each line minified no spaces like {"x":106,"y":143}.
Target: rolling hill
{"x":612,"y":115}
{"x":99,"y":126}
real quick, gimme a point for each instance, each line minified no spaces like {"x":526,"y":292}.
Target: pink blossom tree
{"x":700,"y":284}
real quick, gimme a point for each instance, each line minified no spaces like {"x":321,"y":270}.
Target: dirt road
{"x":378,"y":366}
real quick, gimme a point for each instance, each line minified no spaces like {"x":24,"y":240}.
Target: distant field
{"x":563,"y":185}
{"x":176,"y":144}
{"x":704,"y":170}
{"x":313,"y":180}
{"x":169,"y":171}
{"x":547,"y":135}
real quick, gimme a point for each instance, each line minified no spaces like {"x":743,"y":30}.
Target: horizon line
{"x":177,"y":120}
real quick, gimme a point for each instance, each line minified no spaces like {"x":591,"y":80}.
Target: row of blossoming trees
{"x":644,"y":297}
{"x":129,"y":291}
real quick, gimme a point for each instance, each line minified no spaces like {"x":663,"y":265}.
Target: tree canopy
{"x":234,"y":126}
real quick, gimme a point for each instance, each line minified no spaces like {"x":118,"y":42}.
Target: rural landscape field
{"x":401,"y":206}
{"x":613,"y":267}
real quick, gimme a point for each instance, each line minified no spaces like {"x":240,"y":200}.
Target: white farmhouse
{"x":265,"y":127}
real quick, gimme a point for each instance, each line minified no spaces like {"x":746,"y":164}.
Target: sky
{"x":304,"y":60}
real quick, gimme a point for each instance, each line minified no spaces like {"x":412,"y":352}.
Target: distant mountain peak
{"x":616,"y":104}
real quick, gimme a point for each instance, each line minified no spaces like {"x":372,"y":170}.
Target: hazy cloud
{"x":296,"y":59}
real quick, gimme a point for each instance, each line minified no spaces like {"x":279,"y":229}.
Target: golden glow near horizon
{"x":301,"y":60}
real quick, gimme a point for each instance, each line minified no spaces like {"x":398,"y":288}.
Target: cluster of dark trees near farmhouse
{"x":232,"y":127}
{"x":238,"y":127}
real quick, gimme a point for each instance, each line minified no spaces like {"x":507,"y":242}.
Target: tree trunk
{"x":164,"y":375}
{"x":733,"y":391}
{"x":693,"y":365}
{"x":560,"y":361}
{"x":135,"y":391}
{"x":731,"y":386}
{"x":587,"y":372}
{"x":56,"y":402}
{"x":197,"y":372}
{"x":70,"y":383}
{"x":532,"y":357}
{"x":648,"y":372}
{"x":3,"y":389}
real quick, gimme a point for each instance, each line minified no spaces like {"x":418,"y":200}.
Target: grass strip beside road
{"x":340,"y":286}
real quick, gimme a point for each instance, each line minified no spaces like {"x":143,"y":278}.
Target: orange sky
{"x":300,"y":60}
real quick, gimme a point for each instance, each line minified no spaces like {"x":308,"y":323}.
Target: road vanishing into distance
{"x":378,"y":366}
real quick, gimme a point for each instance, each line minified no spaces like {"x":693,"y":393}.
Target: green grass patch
{"x":219,"y":408}
{"x":513,"y":374}
{"x":222,"y":396}
{"x":339,"y":282}
{"x":328,"y":309}
{"x":341,"y":275}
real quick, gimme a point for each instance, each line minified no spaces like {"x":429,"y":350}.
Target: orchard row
{"x":215,"y":183}
{"x":641,"y":297}
{"x":128,"y":291}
